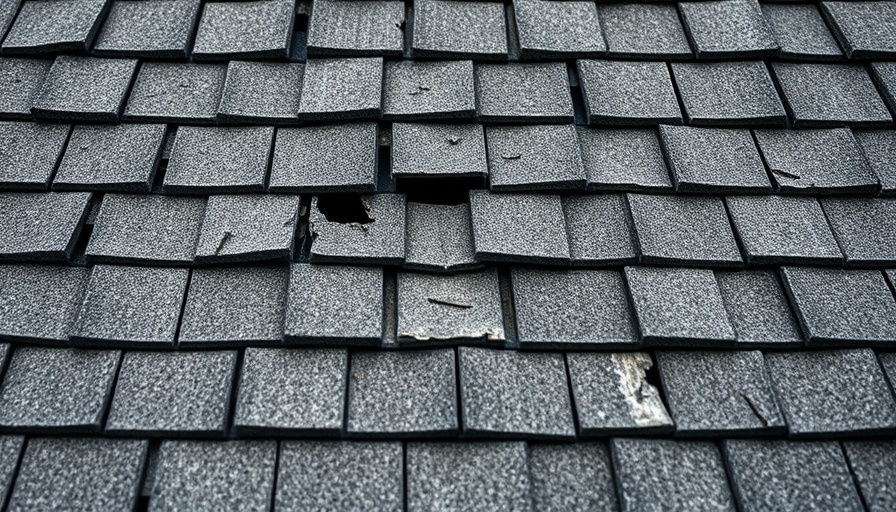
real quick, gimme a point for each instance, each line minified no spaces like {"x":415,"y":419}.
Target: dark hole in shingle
{"x":435,"y":191}
{"x":652,"y":377}
{"x":344,"y":208}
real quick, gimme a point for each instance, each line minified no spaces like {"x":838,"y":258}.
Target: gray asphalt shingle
{"x":85,"y":89}
{"x":866,"y":30}
{"x":643,"y":30}
{"x":879,"y":148}
{"x":21,"y":81}
{"x":624,"y":160}
{"x":46,"y":26}
{"x":356,"y":28}
{"x":379,"y":239}
{"x":865,"y":229}
{"x":439,"y":238}
{"x":342,"y":89}
{"x":41,"y":227}
{"x":252,"y":30}
{"x":428,"y":150}
{"x":727,"y":29}
{"x":418,"y":90}
{"x":599,"y":230}
{"x":522,"y":92}
{"x":571,"y":477}
{"x":159,"y":29}
{"x":550,"y":29}
{"x":884,"y":75}
{"x":452,"y":29}
{"x":176,"y":92}
{"x":628,"y":92}
{"x":40,"y":304}
{"x":872,"y":464}
{"x":29,"y":154}
{"x":265,"y":92}
{"x":10,"y":450}
{"x":758,"y":309}
{"x":801,"y":32}
{"x":534,"y":158}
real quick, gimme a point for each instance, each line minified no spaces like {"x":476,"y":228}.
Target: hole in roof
{"x":435,"y":191}
{"x":344,"y":208}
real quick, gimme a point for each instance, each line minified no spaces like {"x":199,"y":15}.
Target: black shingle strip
{"x":439,"y":238}
{"x":866,"y":30}
{"x":418,"y":90}
{"x":644,"y":31}
{"x":84,"y":89}
{"x":261,"y":92}
{"x":801,"y":32}
{"x":452,"y":29}
{"x":342,"y":89}
{"x":176,"y":92}
{"x":376,"y":237}
{"x":252,"y":30}
{"x":429,"y":150}
{"x":48,"y":26}
{"x":159,"y":29}
{"x":758,"y":309}
{"x":879,"y":148}
{"x":40,"y":304}
{"x":628,"y":160}
{"x":523,"y":92}
{"x":22,"y":81}
{"x":872,"y":464}
{"x":599,"y":230}
{"x":571,"y":477}
{"x":554,"y":30}
{"x":728,"y":29}
{"x":865,"y":229}
{"x":832,"y":393}
{"x":628,"y":92}
{"x":534,"y":158}
{"x":42,"y":226}
{"x":29,"y":153}
{"x":339,"y":28}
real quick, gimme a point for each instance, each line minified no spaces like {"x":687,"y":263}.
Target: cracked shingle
{"x":250,"y":30}
{"x":628,"y":92}
{"x":379,"y":241}
{"x":728,"y":29}
{"x":29,"y":153}
{"x":452,"y":29}
{"x":176,"y":92}
{"x":266,"y":92}
{"x":339,"y":28}
{"x":158,"y":29}
{"x":342,"y":89}
{"x":523,"y":92}
{"x":624,"y":160}
{"x":84,"y":89}
{"x":534,"y":158}
{"x":48,"y":26}
{"x":41,"y":227}
{"x":39,"y":304}
{"x":418,"y":90}
{"x":599,"y":230}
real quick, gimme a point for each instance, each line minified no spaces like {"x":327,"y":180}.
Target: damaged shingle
{"x":624,"y":160}
{"x":250,"y":30}
{"x":459,"y":29}
{"x":418,"y":90}
{"x":159,"y":29}
{"x":47,"y":26}
{"x":29,"y":153}
{"x":342,"y":89}
{"x":175,"y":92}
{"x":266,"y":92}
{"x":865,"y":229}
{"x":523,"y":92}
{"x":599,"y":230}
{"x":21,"y":81}
{"x":628,"y":92}
{"x":377,"y":238}
{"x":84,"y":89}
{"x":552,"y":29}
{"x":534,"y":158}
{"x":39,"y":304}
{"x":728,"y":29}
{"x":427,"y":150}
{"x":339,"y":28}
{"x":41,"y":227}
{"x":758,"y":309}
{"x":439,"y":238}
{"x":644,"y":30}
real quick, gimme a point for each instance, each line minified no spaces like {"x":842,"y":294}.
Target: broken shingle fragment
{"x":728,"y":29}
{"x":29,"y":153}
{"x":628,"y":92}
{"x":534,"y":158}
{"x":599,"y":230}
{"x":428,"y":150}
{"x":39,"y":304}
{"x":643,"y":30}
{"x":265,"y":92}
{"x":872,"y":464}
{"x":42,"y":226}
{"x":625,"y":160}
{"x":551,"y":29}
{"x":249,"y":30}
{"x":439,"y":238}
{"x":523,"y":92}
{"x":375,"y":236}
{"x":84,"y":89}
{"x":865,"y":229}
{"x":54,"y":26}
{"x":159,"y":29}
{"x":176,"y":92}
{"x":801,"y":32}
{"x":452,"y":29}
{"x":339,"y":28}
{"x":571,"y":477}
{"x":22,"y":80}
{"x":866,"y":30}
{"x":342,"y":89}
{"x":758,"y":309}
{"x":418,"y":90}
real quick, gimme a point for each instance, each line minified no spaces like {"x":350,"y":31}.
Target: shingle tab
{"x":628,"y":92}
{"x":679,"y":306}
{"x":683,"y":230}
{"x":599,"y":230}
{"x":146,"y":229}
{"x":551,"y":29}
{"x":830,"y":95}
{"x":380,"y":240}
{"x":758,"y":309}
{"x":866,"y":30}
{"x":39,"y":304}
{"x":713,"y":160}
{"x":879,"y":148}
{"x":824,"y":393}
{"x":612,"y":394}
{"x":57,"y":389}
{"x":114,"y":158}
{"x":801,"y":32}
{"x":642,"y":30}
{"x":820,"y":161}
{"x":250,"y":30}
{"x":339,"y":476}
{"x":522,"y":92}
{"x":296,"y":392}
{"x":29,"y":154}
{"x":727,"y":29}
{"x":514,"y":394}
{"x":339,"y":28}
{"x":173,"y":393}
{"x":681,"y":475}
{"x":780,"y":229}
{"x":341,"y":89}
{"x":158,"y":29}
{"x":503,"y":225}
{"x":265,"y":92}
{"x":10,"y":448}
{"x":22,"y":80}
{"x":439,"y":238}
{"x":41,"y":227}
{"x":865,"y":229}
{"x":204,"y":475}
{"x":463,"y":307}
{"x":476,"y":477}
{"x":872,"y":464}
{"x":418,"y":90}
{"x":334,"y":304}
{"x":787,"y":475}
{"x":838,"y":306}
{"x":176,"y":92}
{"x":402,"y":393}
{"x":79,"y":474}
{"x":84,"y":88}
{"x":452,"y":29}
{"x":428,"y":150}
{"x":626,"y":160}
{"x":534,"y":158}
{"x":47,"y":26}
{"x":571,"y":477}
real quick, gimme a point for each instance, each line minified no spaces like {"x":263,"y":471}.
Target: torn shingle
{"x":514,"y":394}
{"x":819,"y":161}
{"x":824,"y":393}
{"x":158,"y":29}
{"x":248,"y":30}
{"x":758,"y":309}
{"x":342,"y":89}
{"x":241,"y":228}
{"x":428,"y":150}
{"x":681,"y":475}
{"x":683,"y":230}
{"x":679,"y":306}
{"x":628,"y":92}
{"x":439,"y":238}
{"x":131,"y":307}
{"x":879,"y":148}
{"x":866,"y":30}
{"x":435,"y":309}
{"x":331,"y":304}
{"x":526,"y":228}
{"x":884,"y":74}
{"x":720,"y":393}
{"x":84,"y":89}
{"x":452,"y":29}
{"x":378,"y":239}
{"x":57,"y":389}
{"x":113,"y":158}
{"x":534,"y":158}
{"x":172,"y":393}
{"x":728,"y":29}
{"x":838,"y":306}
{"x":47,"y":26}
{"x":865,"y":229}
{"x":175,"y":92}
{"x":41,"y":227}
{"x":830,"y":95}
{"x":328,"y":158}
{"x":522,"y":92}
{"x":402,"y":393}
{"x":551,"y":29}
{"x":10,"y":449}
{"x":788,"y":475}
{"x":476,"y":477}
{"x":572,"y":309}
{"x":227,"y":306}
{"x":571,"y":477}
{"x":418,"y":90}
{"x":625,"y":160}
{"x":713,"y":160}
{"x":219,"y":160}
{"x":296,"y":392}
{"x":206,"y":475}
{"x":776,"y":229}
{"x":728,"y":93}
{"x":801,"y":32}
{"x":21,"y":81}
{"x":599,"y":230}
{"x":339,"y":476}
{"x":79,"y":474}
{"x":29,"y":153}
{"x":646,"y":31}
{"x":338,"y":28}
{"x":872,"y":464}
{"x":39,"y":304}
{"x":146,"y":229}
{"x":266,"y":92}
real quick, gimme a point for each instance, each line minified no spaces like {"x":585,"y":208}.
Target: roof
{"x":439,"y":255}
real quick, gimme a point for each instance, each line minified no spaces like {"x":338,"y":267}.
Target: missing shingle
{"x":452,"y":191}
{"x":345,"y":209}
